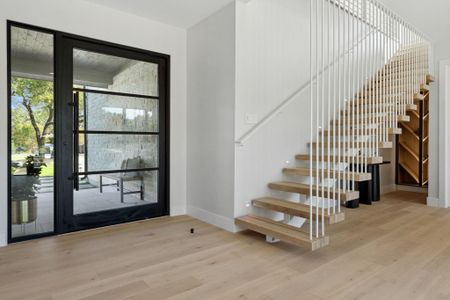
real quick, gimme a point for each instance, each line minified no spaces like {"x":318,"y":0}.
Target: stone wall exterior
{"x":117,"y":113}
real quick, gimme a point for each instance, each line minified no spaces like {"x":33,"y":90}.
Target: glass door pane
{"x":116,"y":136}
{"x":32,"y":133}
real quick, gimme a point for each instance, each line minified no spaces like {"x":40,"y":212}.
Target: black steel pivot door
{"x":101,"y":155}
{"x":112,"y":128}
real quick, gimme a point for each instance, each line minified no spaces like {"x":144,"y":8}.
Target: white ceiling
{"x":180,"y":13}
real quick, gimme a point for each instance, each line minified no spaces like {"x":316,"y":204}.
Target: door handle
{"x":76,"y":127}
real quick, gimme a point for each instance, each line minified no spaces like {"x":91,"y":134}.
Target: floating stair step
{"x":370,"y":160}
{"x":350,"y":144}
{"x":386,"y":86}
{"x":356,"y":176}
{"x":411,"y":107}
{"x":348,"y":120}
{"x":395,"y":73}
{"x":300,"y":188}
{"x":356,"y":131}
{"x":387,"y":92}
{"x":419,"y":97}
{"x":281,"y":231}
{"x":424,"y":87}
{"x":295,"y":209}
{"x":430,"y":78}
{"x":365,"y":100}
{"x":403,"y":118}
{"x":374,"y":108}
{"x":401,"y":68}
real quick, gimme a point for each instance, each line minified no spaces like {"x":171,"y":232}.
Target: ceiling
{"x":180,"y":13}
{"x":32,"y":57}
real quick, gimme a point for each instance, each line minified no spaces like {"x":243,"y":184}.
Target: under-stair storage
{"x":412,"y":145}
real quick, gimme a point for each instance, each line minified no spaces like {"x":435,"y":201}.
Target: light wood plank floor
{"x":395,"y":249}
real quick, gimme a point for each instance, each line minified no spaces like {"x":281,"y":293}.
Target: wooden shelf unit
{"x":412,"y":146}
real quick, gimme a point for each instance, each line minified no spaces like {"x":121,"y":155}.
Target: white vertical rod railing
{"x":365,"y":87}
{"x":346,"y":80}
{"x":384,"y":95}
{"x":405,"y":68}
{"x":340,"y":105}
{"x":371,"y":130}
{"x":317,"y":179}
{"x":378,"y":90}
{"x":389,"y":38}
{"x":410,"y":84}
{"x":329,"y":4}
{"x":416,"y":61}
{"x":397,"y":81}
{"x":335,"y":99}
{"x":376,"y":80}
{"x":384,"y":61}
{"x":322,"y":126}
{"x":387,"y":84}
{"x":359,"y":118}
{"x":311,"y":106}
{"x":353,"y":89}
{"x":379,"y":93}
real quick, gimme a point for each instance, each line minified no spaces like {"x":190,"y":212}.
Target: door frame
{"x":59,"y":58}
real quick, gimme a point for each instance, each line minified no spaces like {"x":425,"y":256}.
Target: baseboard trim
{"x":389,"y":188}
{"x":3,"y":240}
{"x":414,"y":189}
{"x":177,"y":211}
{"x":212,"y":218}
{"x":434,"y":202}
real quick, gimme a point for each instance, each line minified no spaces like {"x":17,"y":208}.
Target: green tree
{"x":37,"y":100}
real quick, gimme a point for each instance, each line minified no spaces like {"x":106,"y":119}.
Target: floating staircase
{"x":375,"y":104}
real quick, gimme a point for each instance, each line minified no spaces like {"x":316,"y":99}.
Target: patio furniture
{"x":121,"y":178}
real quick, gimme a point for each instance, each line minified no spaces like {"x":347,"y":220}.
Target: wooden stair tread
{"x":295,"y":209}
{"x":349,"y":144}
{"x":408,"y":107}
{"x":359,"y":177}
{"x":372,"y":131}
{"x":283,"y":232}
{"x":424,"y":87}
{"x":306,"y":157}
{"x":359,"y":100}
{"x":369,"y":120}
{"x":300,"y":188}
{"x":363,"y":110}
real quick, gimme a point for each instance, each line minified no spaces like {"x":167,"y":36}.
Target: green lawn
{"x":48,"y":170}
{"x":21,"y":156}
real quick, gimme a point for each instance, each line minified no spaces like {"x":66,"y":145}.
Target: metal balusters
{"x":328,"y":105}
{"x":341,"y":98}
{"x":311,"y":106}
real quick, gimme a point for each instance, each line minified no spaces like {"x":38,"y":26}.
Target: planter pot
{"x":23,"y":211}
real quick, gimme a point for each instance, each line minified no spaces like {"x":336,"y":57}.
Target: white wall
{"x":272,"y":55}
{"x":90,"y":20}
{"x":211,"y":94}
